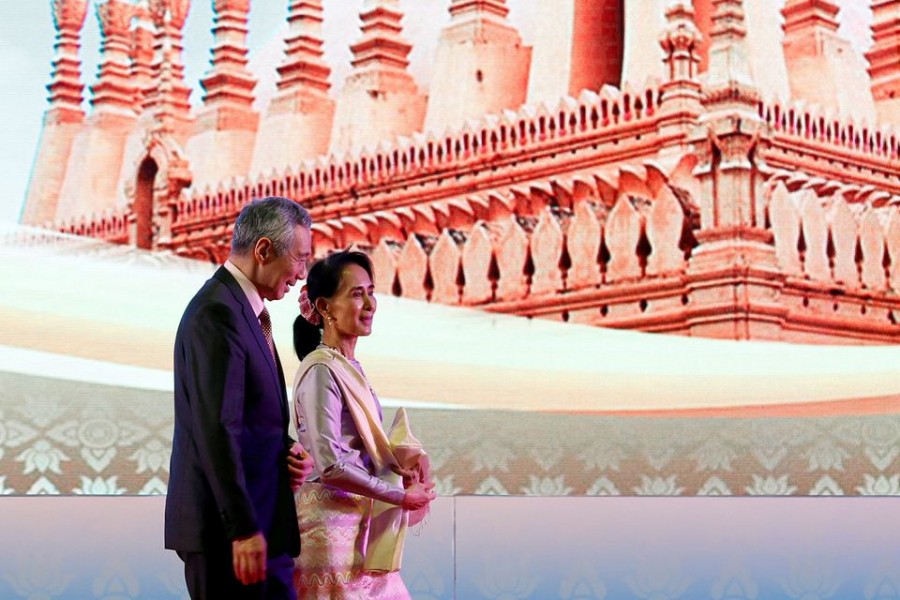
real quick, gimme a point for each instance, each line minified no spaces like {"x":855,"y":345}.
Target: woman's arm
{"x":319,"y":400}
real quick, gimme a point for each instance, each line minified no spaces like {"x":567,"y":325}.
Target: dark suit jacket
{"x":228,"y":475}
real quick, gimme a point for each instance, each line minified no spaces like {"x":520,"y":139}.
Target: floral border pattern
{"x":63,"y":437}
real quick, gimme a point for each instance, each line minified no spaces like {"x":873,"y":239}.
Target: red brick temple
{"x":712,"y":168}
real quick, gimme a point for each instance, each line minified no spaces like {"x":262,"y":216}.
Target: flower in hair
{"x":307,"y":310}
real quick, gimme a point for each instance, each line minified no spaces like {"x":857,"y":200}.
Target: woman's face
{"x":352,"y":306}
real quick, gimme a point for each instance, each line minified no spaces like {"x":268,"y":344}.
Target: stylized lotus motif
{"x":658,"y":486}
{"x":811,"y":580}
{"x":4,"y":491}
{"x":881,"y":432}
{"x":884,"y":584}
{"x":825,"y":455}
{"x":42,"y":487}
{"x":603,"y":487}
{"x":153,"y":456}
{"x":547,"y":486}
{"x":492,"y":456}
{"x":42,"y":457}
{"x":735,"y":584}
{"x":603,"y":456}
{"x":506,"y":580}
{"x":658,"y":581}
{"x":491,"y":487}
{"x":583,"y":583}
{"x":880,"y":486}
{"x":714,"y":455}
{"x":37,"y":577}
{"x":546,"y":458}
{"x":771,"y":486}
{"x":154,"y":487}
{"x":428,"y":584}
{"x":116,"y":582}
{"x":826,"y":487}
{"x":99,"y":487}
{"x":714,"y":486}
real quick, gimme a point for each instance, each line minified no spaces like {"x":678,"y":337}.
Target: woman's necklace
{"x":335,"y":348}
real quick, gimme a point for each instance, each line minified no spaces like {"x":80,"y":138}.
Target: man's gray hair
{"x":272,"y":217}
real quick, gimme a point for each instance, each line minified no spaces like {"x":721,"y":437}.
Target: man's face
{"x":279,"y":273}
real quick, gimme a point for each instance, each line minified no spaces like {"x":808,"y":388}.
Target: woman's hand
{"x":300,"y":465}
{"x":417,"y":496}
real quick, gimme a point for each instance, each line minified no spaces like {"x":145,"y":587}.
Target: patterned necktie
{"x":266,"y":323}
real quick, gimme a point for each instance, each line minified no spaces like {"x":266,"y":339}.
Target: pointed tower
{"x":62,"y":119}
{"x":680,"y":107}
{"x":481,"y":66}
{"x":735,"y":274}
{"x":644,"y":19}
{"x":379,"y":99}
{"x":298,"y":122}
{"x":99,"y":147}
{"x":226,"y":125}
{"x":142,"y":36}
{"x":823,"y":67}
{"x":168,"y":102}
{"x":884,"y":60}
{"x":579,"y":46}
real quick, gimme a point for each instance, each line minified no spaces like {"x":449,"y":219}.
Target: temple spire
{"x":382,"y":44}
{"x":483,"y":65}
{"x":303,"y":65}
{"x":63,"y":117}
{"x":729,"y":84}
{"x":297,"y":124}
{"x":142,"y":52}
{"x":459,"y":9}
{"x":114,"y":90}
{"x":884,"y":59}
{"x":823,"y":67}
{"x":226,"y":126}
{"x":169,"y":99}
{"x":805,"y":15}
{"x":728,"y":62}
{"x":380,"y":99}
{"x":65,"y":85}
{"x":681,"y":42}
{"x":229,"y":81}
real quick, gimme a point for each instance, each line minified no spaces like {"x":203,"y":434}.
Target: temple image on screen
{"x":695,"y":206}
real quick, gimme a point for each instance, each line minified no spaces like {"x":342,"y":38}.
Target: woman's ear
{"x":322,"y":306}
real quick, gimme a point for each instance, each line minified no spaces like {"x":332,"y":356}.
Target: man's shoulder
{"x":214,"y":300}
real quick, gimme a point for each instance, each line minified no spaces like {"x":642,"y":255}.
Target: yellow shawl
{"x":390,"y":453}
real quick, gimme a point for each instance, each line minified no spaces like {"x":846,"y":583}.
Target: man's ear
{"x":263,"y":251}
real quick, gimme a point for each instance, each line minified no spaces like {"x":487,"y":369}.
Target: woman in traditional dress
{"x":354,"y":508}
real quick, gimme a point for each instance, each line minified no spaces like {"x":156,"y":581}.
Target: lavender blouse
{"x":326,"y":429}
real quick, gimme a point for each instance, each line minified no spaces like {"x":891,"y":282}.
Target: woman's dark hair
{"x":322,"y":282}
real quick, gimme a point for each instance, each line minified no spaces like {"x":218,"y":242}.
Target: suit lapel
{"x":252,"y":321}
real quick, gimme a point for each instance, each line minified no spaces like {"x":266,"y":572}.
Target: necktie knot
{"x":266,"y":324}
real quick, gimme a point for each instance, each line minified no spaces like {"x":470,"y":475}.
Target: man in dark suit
{"x":229,"y":509}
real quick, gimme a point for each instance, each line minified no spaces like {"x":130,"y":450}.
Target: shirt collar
{"x":256,"y":301}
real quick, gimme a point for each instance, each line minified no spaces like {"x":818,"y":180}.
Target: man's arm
{"x":216,"y":359}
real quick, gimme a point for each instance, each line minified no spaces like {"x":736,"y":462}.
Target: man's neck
{"x":246,"y":264}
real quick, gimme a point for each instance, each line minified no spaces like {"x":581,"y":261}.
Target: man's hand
{"x":300,"y":465}
{"x":249,"y":559}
